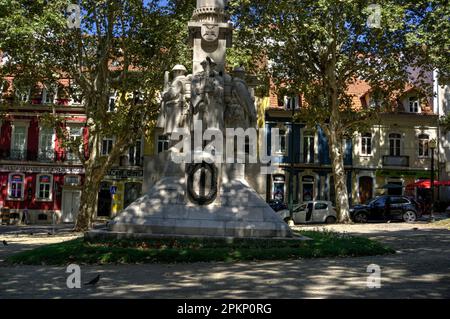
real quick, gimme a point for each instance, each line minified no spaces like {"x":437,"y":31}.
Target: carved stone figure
{"x":175,"y":108}
{"x":240,"y":108}
{"x":207,"y":96}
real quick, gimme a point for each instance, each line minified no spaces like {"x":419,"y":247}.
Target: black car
{"x":387,"y":207}
{"x":277,"y":205}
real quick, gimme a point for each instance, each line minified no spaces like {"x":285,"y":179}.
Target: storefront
{"x":39,"y":191}
{"x":119,"y":189}
{"x":308,"y":185}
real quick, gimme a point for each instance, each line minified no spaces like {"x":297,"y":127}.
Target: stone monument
{"x":205,"y":197}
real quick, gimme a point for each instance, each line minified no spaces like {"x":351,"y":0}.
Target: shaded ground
{"x":420,"y":269}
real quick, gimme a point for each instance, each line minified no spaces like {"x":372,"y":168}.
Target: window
{"x":414,"y":105}
{"x":320,"y":206}
{"x":282,"y":142}
{"x":163,"y":143}
{"x":3,"y":85}
{"x":76,"y":95}
{"x":16,"y":186}
{"x":48,"y":96}
{"x":23,"y":95}
{"x":75,"y":133}
{"x":301,"y":208}
{"x":395,"y":144}
{"x":107,"y":145}
{"x":46,"y":146}
{"x":399,"y":200}
{"x":380,"y":202}
{"x":71,"y":180}
{"x":132,"y":192}
{"x":19,"y":141}
{"x":307,"y":188}
{"x":278,"y":187}
{"x":366,"y":144}
{"x":44,"y":187}
{"x":308,"y":147}
{"x":424,"y":141}
{"x":134,"y":154}
{"x":112,"y":101}
{"x":291,"y":102}
{"x":138,"y":97}
{"x":374,"y":102}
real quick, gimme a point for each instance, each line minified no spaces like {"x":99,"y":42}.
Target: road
{"x":419,"y":269}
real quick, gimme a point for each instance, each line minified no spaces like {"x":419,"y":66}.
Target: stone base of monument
{"x":238,"y":211}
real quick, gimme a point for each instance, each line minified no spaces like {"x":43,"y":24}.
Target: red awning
{"x":426,"y":183}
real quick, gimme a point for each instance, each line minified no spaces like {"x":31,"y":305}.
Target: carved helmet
{"x":179,"y":67}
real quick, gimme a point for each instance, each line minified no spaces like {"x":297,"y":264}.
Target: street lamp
{"x":433,"y":145}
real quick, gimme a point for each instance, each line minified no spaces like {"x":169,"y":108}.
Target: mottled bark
{"x":340,"y":178}
{"x":88,"y":201}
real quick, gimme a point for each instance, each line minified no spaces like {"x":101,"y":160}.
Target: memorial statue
{"x":202,"y":198}
{"x":175,"y":106}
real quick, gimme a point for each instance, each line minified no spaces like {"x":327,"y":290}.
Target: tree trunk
{"x":340,"y":178}
{"x":89,"y":198}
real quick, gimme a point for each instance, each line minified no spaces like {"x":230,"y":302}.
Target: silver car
{"x":318,"y":211}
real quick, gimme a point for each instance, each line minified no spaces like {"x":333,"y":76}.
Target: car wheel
{"x":360,"y":218}
{"x":330,"y":220}
{"x":409,"y":216}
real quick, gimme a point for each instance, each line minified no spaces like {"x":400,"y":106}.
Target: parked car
{"x":318,"y":211}
{"x":277,"y":205}
{"x":387,"y":207}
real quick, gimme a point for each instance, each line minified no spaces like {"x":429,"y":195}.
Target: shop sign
{"x":125,"y":173}
{"x":41,"y":170}
{"x":17,"y":178}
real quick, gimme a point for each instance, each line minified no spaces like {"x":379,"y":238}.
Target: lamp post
{"x":432,"y":145}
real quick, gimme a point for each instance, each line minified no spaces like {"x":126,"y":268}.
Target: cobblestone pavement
{"x":419,"y":269}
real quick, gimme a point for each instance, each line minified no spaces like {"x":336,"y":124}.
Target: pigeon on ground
{"x":5,"y":243}
{"x":93,"y":282}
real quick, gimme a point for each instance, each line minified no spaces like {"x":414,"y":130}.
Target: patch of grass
{"x":131,"y":251}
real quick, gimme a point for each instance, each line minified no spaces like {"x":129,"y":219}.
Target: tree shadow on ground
{"x":419,"y":269}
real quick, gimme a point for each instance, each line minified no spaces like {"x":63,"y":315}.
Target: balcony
{"x":126,"y":161}
{"x":47,"y":156}
{"x":400,"y":161}
{"x":24,"y":155}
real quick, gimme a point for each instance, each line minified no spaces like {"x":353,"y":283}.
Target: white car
{"x":318,"y":211}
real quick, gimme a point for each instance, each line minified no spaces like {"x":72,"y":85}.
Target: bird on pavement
{"x":5,"y":243}
{"x":93,"y":282}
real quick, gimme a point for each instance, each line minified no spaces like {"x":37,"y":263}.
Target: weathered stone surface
{"x":246,"y":215}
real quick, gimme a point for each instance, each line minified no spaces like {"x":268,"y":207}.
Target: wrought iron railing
{"x":26,"y":155}
{"x":46,"y":156}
